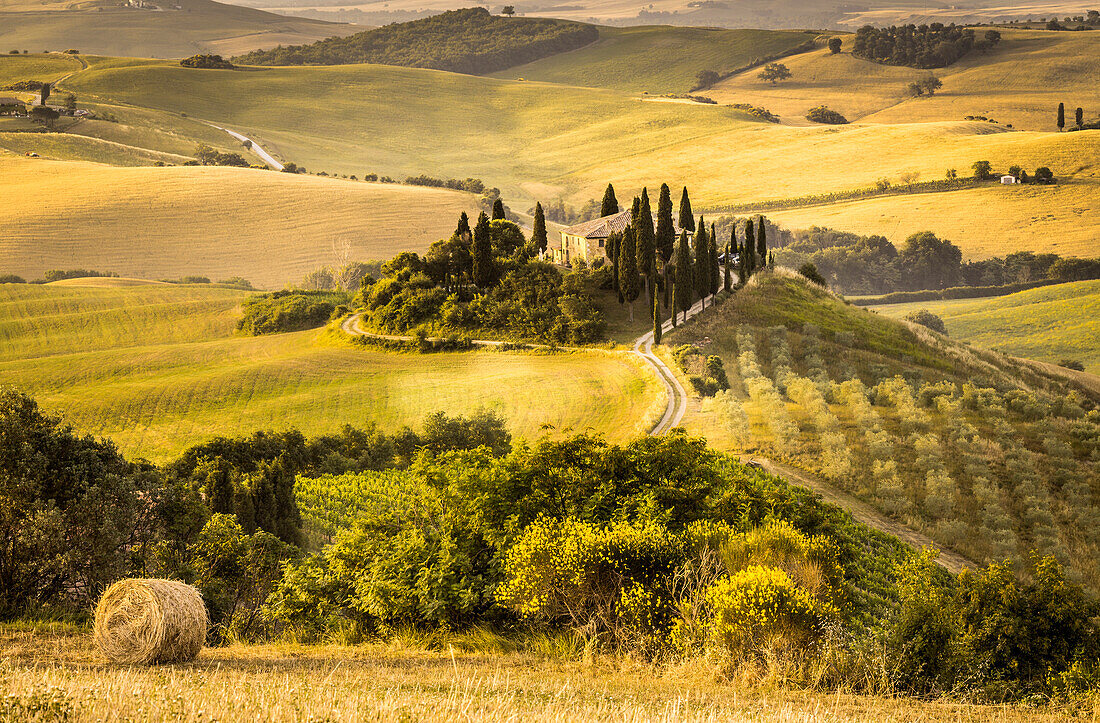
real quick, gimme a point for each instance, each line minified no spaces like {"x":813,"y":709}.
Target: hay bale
{"x":145,"y":621}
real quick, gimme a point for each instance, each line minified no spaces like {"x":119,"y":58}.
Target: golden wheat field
{"x":270,"y":228}
{"x":412,"y":678}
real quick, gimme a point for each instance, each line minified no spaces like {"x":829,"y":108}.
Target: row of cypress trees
{"x":647,"y":255}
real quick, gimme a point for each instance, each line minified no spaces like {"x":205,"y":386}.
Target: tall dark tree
{"x":614,"y":242}
{"x":715,"y":274}
{"x":750,"y":249}
{"x":657,"y":320}
{"x":482,"y":252}
{"x":45,"y":94}
{"x":498,"y":210}
{"x":538,"y":230}
{"x":1079,"y":117}
{"x":742,"y":264}
{"x":701,"y":269}
{"x":647,"y":244}
{"x":728,"y":280}
{"x":687,"y":220}
{"x":672,"y":286}
{"x":219,"y":488}
{"x":1061,"y":116}
{"x":761,"y":242}
{"x":665,"y":235}
{"x":629,"y":284}
{"x":610,"y":205}
{"x":684,"y":289}
{"x":463,"y":230}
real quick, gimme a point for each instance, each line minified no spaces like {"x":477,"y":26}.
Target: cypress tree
{"x":463,"y":230}
{"x":687,"y":220}
{"x":613,"y":243}
{"x":538,"y":231}
{"x":701,"y":248}
{"x":498,"y":210}
{"x":750,"y":249}
{"x":482,"y":252}
{"x":610,"y":204}
{"x":1079,"y":117}
{"x":657,"y":320}
{"x":715,"y":274}
{"x":742,"y":265}
{"x":1061,"y":116}
{"x":665,"y":235}
{"x":647,"y":259}
{"x":288,"y":519}
{"x":726,"y":267}
{"x":683,"y":297}
{"x":761,"y":242}
{"x":628,"y":269}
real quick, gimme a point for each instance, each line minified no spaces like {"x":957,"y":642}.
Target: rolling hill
{"x":987,"y":455}
{"x":271,"y":228}
{"x":1051,"y":323}
{"x":180,"y":28}
{"x":1019,"y":82}
{"x":656,"y":59}
{"x":455,"y":125}
{"x":158,"y":368}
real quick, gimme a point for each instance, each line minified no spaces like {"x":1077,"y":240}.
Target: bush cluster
{"x":211,"y":62}
{"x":289,"y":310}
{"x":924,"y":46}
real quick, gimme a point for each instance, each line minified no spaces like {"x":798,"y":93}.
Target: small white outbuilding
{"x":1009,"y":180}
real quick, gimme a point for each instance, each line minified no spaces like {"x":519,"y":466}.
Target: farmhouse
{"x":588,"y":241}
{"x":12,"y":106}
{"x":1008,"y":180}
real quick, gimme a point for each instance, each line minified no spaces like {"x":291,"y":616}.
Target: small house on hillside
{"x":12,"y":106}
{"x":1009,"y":180}
{"x":588,"y":241}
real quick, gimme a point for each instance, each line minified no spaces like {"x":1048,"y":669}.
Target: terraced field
{"x":158,"y":368}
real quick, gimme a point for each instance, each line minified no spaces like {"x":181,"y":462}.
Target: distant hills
{"x":462,"y":41}
{"x":152,"y":28}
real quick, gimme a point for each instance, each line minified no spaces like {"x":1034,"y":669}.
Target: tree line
{"x":919,"y":46}
{"x":462,"y":41}
{"x":648,"y":257}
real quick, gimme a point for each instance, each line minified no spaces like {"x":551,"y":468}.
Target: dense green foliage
{"x":855,"y":264}
{"x":289,"y":310}
{"x":924,"y":46}
{"x":821,"y":114}
{"x":454,"y":540}
{"x":463,"y":41}
{"x":210,"y":62}
{"x":485,"y":282}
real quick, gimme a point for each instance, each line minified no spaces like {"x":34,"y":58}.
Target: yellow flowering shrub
{"x":762,"y":606}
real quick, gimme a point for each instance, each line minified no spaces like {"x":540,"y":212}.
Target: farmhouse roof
{"x":8,"y":100}
{"x":600,"y":227}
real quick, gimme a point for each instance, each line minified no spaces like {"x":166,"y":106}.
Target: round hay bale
{"x":147,"y":621}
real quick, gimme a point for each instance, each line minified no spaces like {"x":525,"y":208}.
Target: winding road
{"x":254,"y":147}
{"x":674,"y":414}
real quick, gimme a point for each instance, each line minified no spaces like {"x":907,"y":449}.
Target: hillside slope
{"x":656,"y":58}
{"x":1019,"y":82}
{"x":198,"y":26}
{"x":271,"y":228}
{"x":987,"y":455}
{"x":159,"y":368}
{"x":1050,"y":323}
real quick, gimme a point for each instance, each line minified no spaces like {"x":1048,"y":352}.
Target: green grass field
{"x":158,"y":368}
{"x":36,"y":66}
{"x":1050,"y":323}
{"x":270,"y":228}
{"x":200,"y":26}
{"x":654,"y":58}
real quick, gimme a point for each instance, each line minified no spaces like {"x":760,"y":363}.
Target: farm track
{"x":674,"y":414}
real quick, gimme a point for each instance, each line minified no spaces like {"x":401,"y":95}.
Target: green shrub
{"x":927,"y":319}
{"x":284,"y":311}
{"x":821,"y":114}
